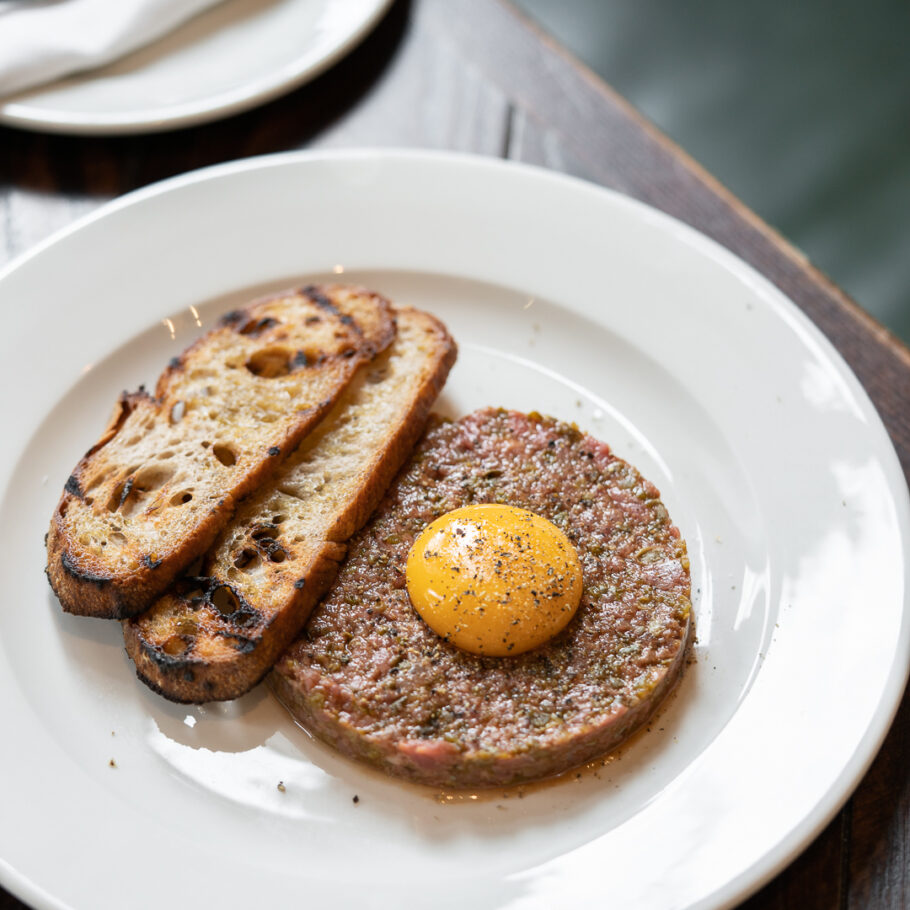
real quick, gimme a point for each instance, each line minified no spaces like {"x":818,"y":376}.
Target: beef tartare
{"x":369,"y":677}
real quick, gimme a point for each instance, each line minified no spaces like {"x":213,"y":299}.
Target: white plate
{"x":565,"y":298}
{"x":230,"y":58}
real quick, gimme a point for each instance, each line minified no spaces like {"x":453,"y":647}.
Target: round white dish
{"x":565,"y":298}
{"x":230,"y":58}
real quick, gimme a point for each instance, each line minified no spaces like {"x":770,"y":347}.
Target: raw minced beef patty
{"x":369,"y":677}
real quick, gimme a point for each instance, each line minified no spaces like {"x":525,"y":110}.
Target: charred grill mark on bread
{"x":255,"y":327}
{"x":74,"y":572}
{"x":243,"y":645}
{"x":315,"y":294}
{"x":285,"y":543}
{"x":168,"y":471}
{"x":175,"y":655}
{"x":232,"y":317}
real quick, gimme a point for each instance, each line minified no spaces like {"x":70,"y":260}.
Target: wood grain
{"x":474,"y":75}
{"x":879,"y":848}
{"x":406,"y":85}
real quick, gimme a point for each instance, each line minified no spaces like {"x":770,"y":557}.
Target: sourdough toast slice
{"x":215,"y":636}
{"x":152,"y":494}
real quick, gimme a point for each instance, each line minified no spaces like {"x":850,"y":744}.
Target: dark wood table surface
{"x":475,"y":76}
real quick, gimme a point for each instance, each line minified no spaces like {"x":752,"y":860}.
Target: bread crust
{"x":149,"y":498}
{"x":214,"y":637}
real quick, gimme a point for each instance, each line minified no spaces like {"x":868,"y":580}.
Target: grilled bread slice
{"x":151,"y":496}
{"x":215,"y":636}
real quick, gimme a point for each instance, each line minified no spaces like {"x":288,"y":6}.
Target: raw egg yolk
{"x":493,"y":579}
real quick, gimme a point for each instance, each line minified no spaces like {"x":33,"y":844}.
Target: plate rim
{"x":772,"y":861}
{"x":281,"y":81}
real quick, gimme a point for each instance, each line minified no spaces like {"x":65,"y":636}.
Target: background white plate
{"x":565,"y":298}
{"x":229,"y":58}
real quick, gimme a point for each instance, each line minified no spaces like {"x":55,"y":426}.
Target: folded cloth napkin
{"x":42,"y":40}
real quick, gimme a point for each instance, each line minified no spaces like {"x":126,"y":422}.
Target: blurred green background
{"x":801,"y":109}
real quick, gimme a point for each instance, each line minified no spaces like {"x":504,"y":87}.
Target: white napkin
{"x":42,"y":40}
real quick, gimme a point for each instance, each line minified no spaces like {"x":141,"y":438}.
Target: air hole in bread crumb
{"x":175,"y":645}
{"x":182,"y":498}
{"x":225,"y":601}
{"x":277,"y":555}
{"x":225,"y":455}
{"x":95,"y":482}
{"x":310,"y":357}
{"x":188,"y":625}
{"x":177,"y":411}
{"x":119,"y":494}
{"x":247,"y":559}
{"x":277,"y":519}
{"x":270,"y":363}
{"x":152,"y":477}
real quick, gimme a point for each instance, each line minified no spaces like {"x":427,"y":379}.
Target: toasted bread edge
{"x":189,"y":680}
{"x":85,"y":589}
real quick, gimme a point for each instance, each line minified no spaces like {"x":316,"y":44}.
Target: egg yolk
{"x":493,"y":579}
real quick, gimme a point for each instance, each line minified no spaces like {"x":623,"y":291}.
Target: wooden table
{"x":474,"y":75}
